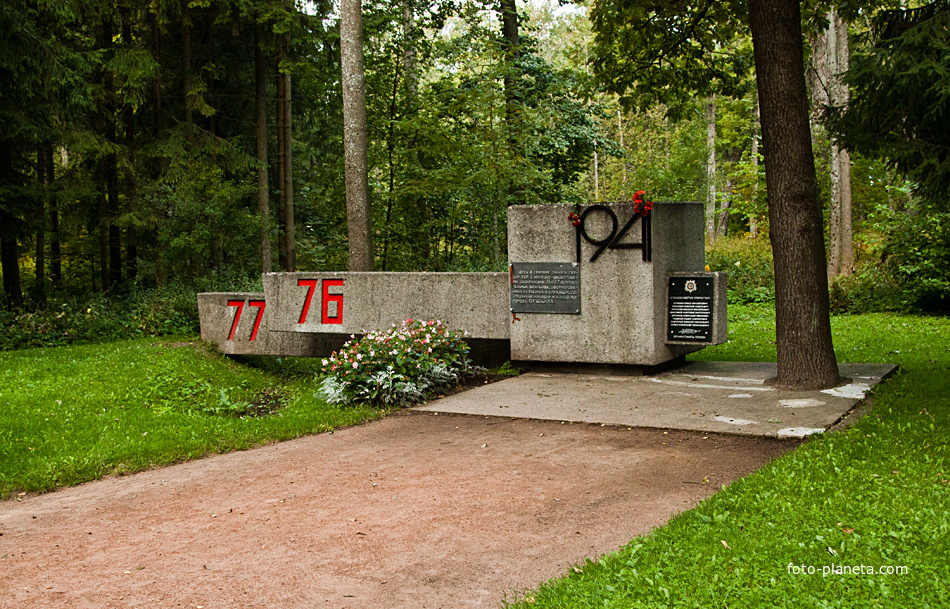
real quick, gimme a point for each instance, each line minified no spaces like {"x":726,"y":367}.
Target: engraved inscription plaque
{"x":690,"y":309}
{"x":545,"y":287}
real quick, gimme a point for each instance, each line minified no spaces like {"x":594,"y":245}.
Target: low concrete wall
{"x":217,"y":318}
{"x":355,"y":303}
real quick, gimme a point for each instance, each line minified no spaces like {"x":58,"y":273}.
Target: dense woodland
{"x":199,"y":142}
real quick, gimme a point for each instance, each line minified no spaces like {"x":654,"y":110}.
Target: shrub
{"x":398,"y":367}
{"x":920,"y":250}
{"x":100,"y":318}
{"x":872,"y":288}
{"x":748,"y":263}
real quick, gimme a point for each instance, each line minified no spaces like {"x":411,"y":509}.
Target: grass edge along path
{"x":859,"y":518}
{"x":78,"y":413}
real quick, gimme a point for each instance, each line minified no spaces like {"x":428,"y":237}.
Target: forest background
{"x":154,"y":150}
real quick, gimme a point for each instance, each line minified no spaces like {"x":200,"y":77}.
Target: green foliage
{"x":160,"y":312}
{"x":77,"y":413}
{"x":899,"y":107}
{"x":748,"y":265}
{"x":905,"y":269}
{"x":871,"y":288}
{"x":670,"y":52}
{"x":921,"y":257}
{"x":874,"y":495}
{"x":399,"y":367}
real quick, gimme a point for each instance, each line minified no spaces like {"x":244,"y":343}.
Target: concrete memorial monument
{"x":618,"y":283}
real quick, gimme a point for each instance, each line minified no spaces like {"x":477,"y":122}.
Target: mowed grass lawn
{"x":77,"y":413}
{"x":853,"y":519}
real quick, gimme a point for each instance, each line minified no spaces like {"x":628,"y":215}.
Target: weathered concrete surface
{"x":723,"y":397}
{"x":217,"y":318}
{"x":623,"y":298}
{"x":474,"y":302}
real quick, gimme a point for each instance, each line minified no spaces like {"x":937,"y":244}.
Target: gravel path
{"x":413,"y":511}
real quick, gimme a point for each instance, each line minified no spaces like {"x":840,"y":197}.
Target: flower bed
{"x":398,"y":367}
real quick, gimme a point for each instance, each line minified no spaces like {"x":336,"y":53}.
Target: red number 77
{"x":259,"y":304}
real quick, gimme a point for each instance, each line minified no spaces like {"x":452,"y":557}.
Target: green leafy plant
{"x":398,"y":367}
{"x":748,"y":265}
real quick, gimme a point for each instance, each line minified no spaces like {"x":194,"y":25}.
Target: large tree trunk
{"x":354,"y":136}
{"x":806,"y":357}
{"x":841,"y":158}
{"x":115,"y":239}
{"x":289,"y":230}
{"x":40,"y":260}
{"x":711,"y":169}
{"x":281,"y":166}
{"x":753,"y":217}
{"x":9,"y":251}
{"x":186,"y":68}
{"x":263,"y":193}
{"x":55,"y":247}
{"x":131,"y":236}
{"x":509,"y":32}
{"x":723,"y":224}
{"x":102,"y":223}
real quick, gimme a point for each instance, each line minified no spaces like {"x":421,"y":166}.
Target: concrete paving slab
{"x":720,"y":397}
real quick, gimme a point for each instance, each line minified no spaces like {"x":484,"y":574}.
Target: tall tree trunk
{"x":131,"y":236}
{"x":826,"y":74}
{"x":596,"y":178}
{"x":841,"y":157}
{"x":723,"y":225}
{"x":753,"y":217}
{"x":115,"y":238}
{"x":281,"y":167}
{"x":512,"y":45}
{"x":263,"y":187}
{"x":40,"y":260}
{"x":805,"y":353}
{"x":623,"y":159}
{"x":288,"y":189}
{"x":666,"y":143}
{"x":511,"y":37}
{"x":186,"y":68}
{"x":55,"y":247}
{"x":711,"y":169}
{"x":354,"y":136}
{"x":10,"y":265}
{"x":157,"y":81}
{"x":103,"y":225}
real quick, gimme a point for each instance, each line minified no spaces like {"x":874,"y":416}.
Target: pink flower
{"x":355,"y":365}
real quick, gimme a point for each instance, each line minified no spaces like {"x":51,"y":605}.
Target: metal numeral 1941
{"x":612,"y":241}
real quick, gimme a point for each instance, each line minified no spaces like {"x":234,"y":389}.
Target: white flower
{"x":355,"y":365}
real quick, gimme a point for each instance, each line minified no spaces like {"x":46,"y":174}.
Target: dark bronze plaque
{"x":545,"y":287}
{"x":690,"y":309}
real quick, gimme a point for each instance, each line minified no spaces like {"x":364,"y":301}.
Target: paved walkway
{"x":722,"y":397}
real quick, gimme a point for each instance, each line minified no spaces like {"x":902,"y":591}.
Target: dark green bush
{"x":872,"y":288}
{"x":748,"y":264}
{"x":99,"y":318}
{"x":919,"y":258}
